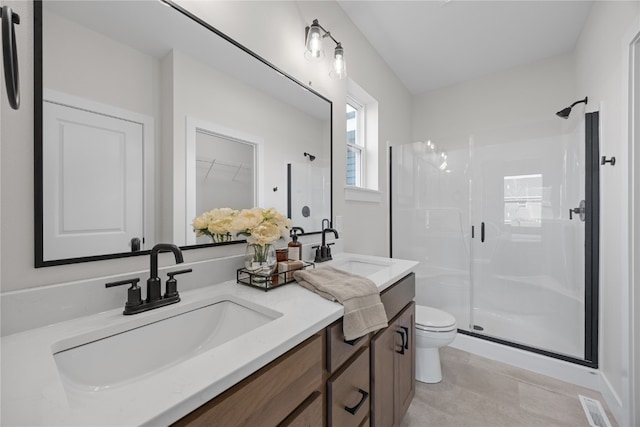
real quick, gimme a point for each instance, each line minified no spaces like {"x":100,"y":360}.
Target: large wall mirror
{"x":146,"y":117}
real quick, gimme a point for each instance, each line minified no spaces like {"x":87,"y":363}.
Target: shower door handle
{"x":482,"y":232}
{"x":580,"y":210}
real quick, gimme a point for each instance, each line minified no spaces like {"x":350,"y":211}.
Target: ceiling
{"x":431,"y":44}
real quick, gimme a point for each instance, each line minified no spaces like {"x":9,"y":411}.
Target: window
{"x":361,"y":135}
{"x":523,"y":200}
{"x":355,"y":143}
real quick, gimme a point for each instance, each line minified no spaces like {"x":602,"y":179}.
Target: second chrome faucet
{"x":155,"y":299}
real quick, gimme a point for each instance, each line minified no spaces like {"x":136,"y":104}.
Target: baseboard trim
{"x":613,"y":400}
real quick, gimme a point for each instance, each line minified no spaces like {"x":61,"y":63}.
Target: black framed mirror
{"x":146,"y":116}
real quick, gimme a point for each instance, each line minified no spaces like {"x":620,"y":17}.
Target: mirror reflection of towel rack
{"x":10,"y":55}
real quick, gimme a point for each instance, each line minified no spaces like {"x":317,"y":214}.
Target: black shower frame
{"x":592,"y":251}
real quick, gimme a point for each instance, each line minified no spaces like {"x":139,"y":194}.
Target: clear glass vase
{"x":260,"y":259}
{"x":221,"y":238}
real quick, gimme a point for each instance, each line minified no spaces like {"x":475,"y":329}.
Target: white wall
{"x":275,"y":31}
{"x":600,"y":56}
{"x":511,"y":98}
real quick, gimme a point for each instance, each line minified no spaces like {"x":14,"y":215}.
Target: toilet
{"x":434,"y":329}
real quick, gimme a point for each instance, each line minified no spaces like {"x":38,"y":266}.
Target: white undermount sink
{"x":359,"y":266}
{"x":107,"y":358}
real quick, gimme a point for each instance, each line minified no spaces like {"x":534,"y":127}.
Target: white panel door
{"x":93,"y":183}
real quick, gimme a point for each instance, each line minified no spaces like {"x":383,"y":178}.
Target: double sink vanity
{"x":226,"y":354}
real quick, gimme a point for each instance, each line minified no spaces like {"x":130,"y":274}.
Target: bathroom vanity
{"x":366,"y":381}
{"x":286,"y":362}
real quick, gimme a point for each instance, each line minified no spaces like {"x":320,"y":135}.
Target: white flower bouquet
{"x":260,"y":226}
{"x":215,"y":224}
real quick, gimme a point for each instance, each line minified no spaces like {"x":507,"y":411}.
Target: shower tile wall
{"x":527,"y":277}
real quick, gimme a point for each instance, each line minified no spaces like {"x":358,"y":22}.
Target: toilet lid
{"x":432,"y":318}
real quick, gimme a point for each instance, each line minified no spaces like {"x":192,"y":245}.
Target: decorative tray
{"x":266,"y":281}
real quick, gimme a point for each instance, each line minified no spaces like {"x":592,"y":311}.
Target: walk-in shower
{"x":504,"y":223}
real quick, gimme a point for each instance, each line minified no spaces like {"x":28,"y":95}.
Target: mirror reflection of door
{"x":92,"y":180}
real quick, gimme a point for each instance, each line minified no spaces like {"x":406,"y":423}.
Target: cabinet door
{"x":383,"y":347}
{"x":405,"y":363}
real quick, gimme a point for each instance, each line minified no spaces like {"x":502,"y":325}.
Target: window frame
{"x":360,"y":144}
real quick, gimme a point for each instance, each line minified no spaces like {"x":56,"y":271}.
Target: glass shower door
{"x":528,"y":245}
{"x":430,"y":221}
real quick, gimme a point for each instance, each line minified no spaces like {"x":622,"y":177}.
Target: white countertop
{"x":33,"y":392}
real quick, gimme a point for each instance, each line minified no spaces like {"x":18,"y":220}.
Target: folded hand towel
{"x":363,"y":309}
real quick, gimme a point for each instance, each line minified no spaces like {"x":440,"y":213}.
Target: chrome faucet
{"x":134,"y":303}
{"x":323,"y":252}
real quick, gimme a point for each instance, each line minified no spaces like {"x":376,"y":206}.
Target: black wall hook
{"x":10,"y":55}
{"x":604,"y":161}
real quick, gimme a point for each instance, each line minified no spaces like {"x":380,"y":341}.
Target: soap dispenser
{"x":295,"y":247}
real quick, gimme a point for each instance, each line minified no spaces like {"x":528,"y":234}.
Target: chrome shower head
{"x":564,"y":113}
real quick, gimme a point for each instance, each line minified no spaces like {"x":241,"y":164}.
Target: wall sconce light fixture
{"x":313,"y":35}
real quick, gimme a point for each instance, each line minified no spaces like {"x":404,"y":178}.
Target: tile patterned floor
{"x":478,"y":392}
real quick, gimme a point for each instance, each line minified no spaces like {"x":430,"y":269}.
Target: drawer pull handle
{"x":406,"y":331}
{"x":354,"y":341}
{"x":402,"y":346}
{"x":354,"y":409}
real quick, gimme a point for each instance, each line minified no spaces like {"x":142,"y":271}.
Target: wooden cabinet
{"x":269,"y":396}
{"x":404,"y":366}
{"x":393,"y":357}
{"x":393,"y":369}
{"x":383,"y":347}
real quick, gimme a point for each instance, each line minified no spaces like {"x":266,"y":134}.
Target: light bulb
{"x":313,"y":41}
{"x":339,"y":66}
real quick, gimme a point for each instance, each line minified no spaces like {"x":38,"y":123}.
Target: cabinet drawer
{"x":399,"y":295}
{"x":348,"y":393}
{"x":309,"y":414}
{"x":267,"y":397}
{"x":339,"y":351}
